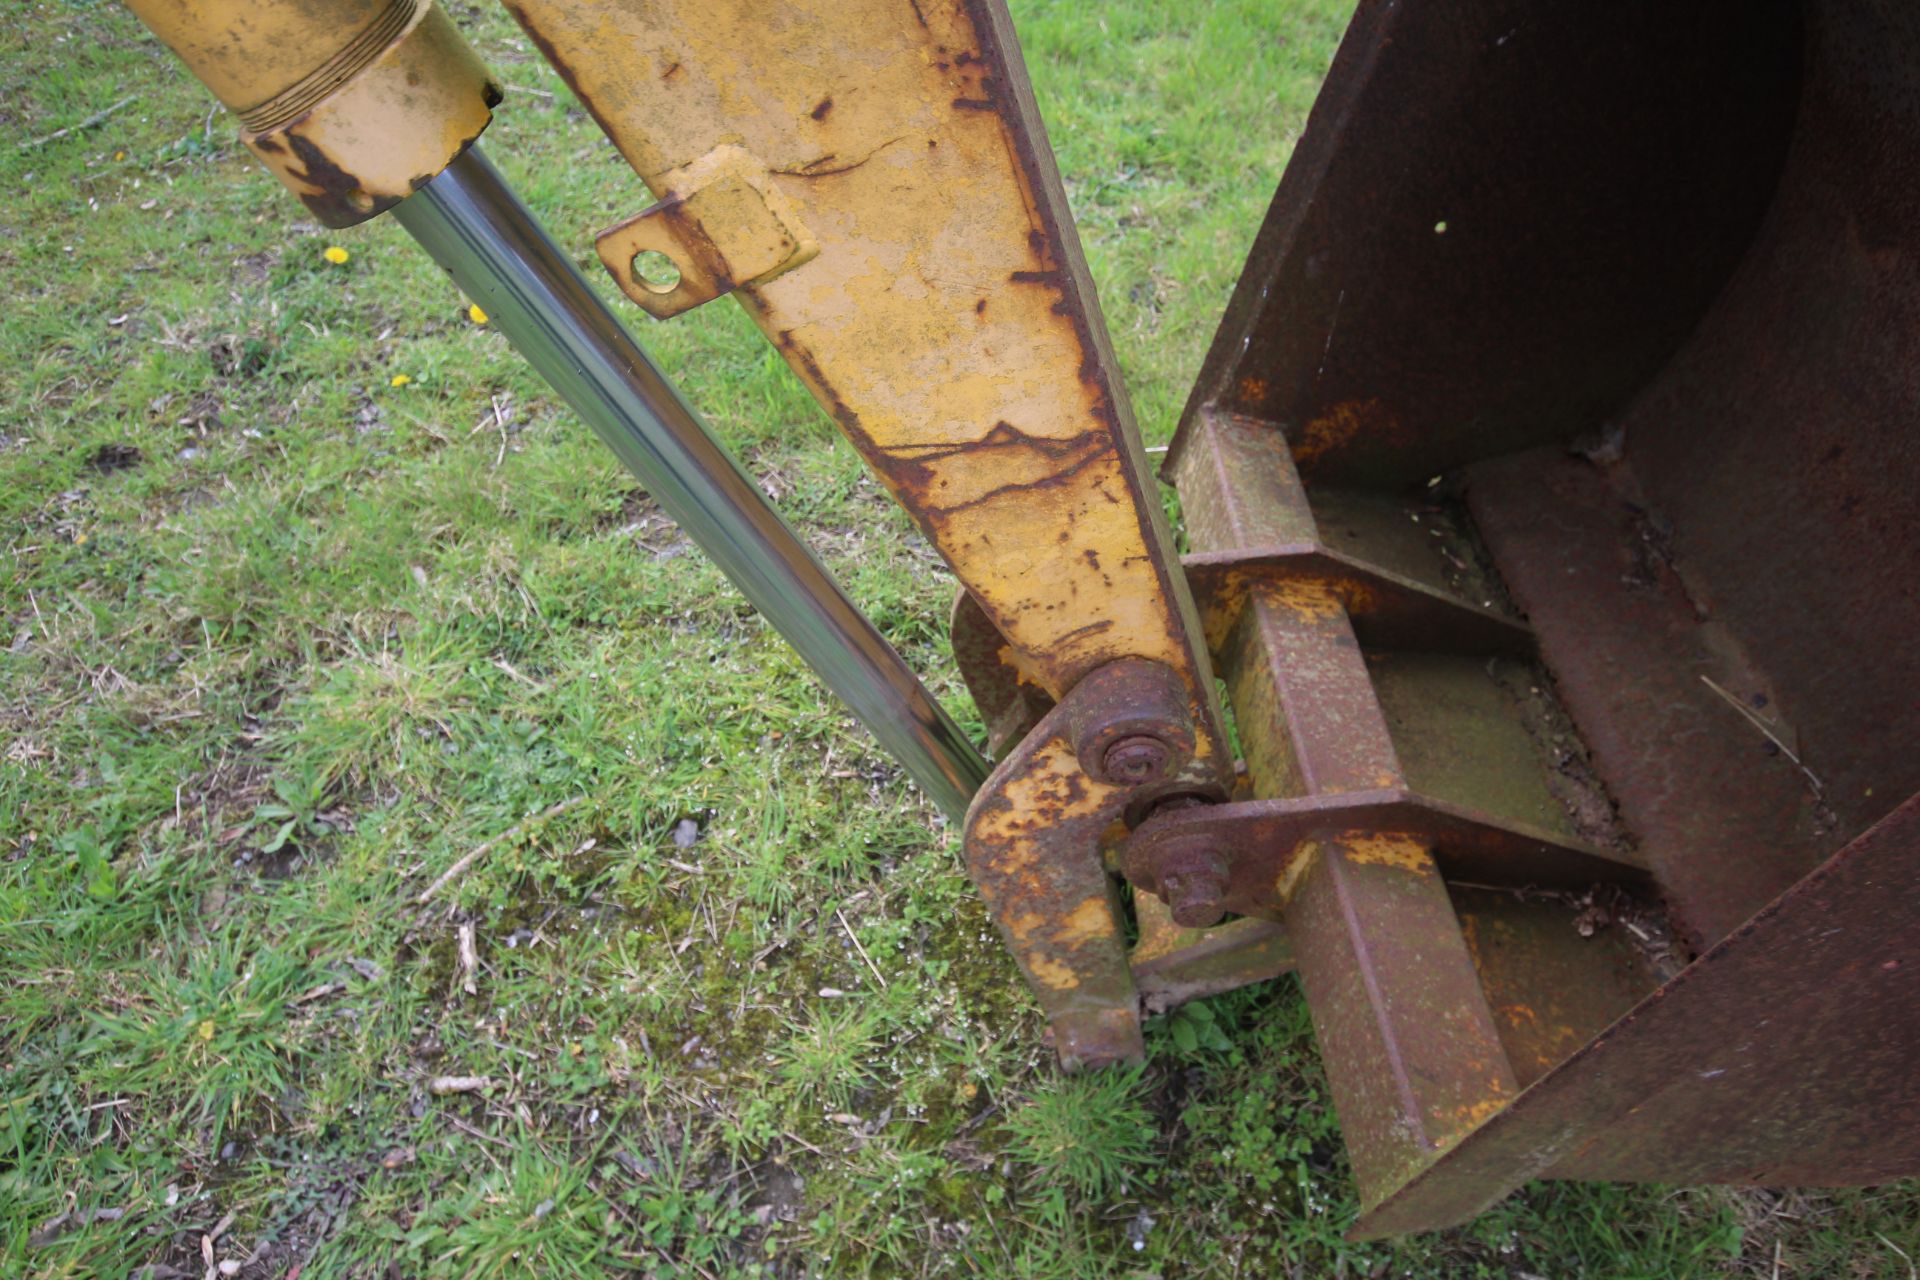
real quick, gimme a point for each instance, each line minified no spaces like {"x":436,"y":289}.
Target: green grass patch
{"x":314,"y":590}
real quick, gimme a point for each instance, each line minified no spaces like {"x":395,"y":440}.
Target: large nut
{"x":1191,"y":878}
{"x":1132,"y":723}
{"x":1138,"y":760}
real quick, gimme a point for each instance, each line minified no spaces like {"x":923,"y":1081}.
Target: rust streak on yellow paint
{"x":351,"y":104}
{"x":946,"y":322}
{"x":1310,"y":598}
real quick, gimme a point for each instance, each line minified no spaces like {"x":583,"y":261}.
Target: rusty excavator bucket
{"x":1602,"y":321}
{"x":1541,"y":676}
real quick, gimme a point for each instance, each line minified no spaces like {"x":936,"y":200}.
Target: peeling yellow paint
{"x":1408,"y":853}
{"x":1054,"y":788}
{"x":1049,"y":972}
{"x":1341,"y":425}
{"x":1311,"y":599}
{"x":1020,"y":928}
{"x":1474,"y":1114}
{"x":1092,"y":919}
{"x":1287,"y":882}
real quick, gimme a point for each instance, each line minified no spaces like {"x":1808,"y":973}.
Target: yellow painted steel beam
{"x":871,"y":179}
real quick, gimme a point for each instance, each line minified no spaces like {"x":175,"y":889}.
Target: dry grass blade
{"x":480,"y":850}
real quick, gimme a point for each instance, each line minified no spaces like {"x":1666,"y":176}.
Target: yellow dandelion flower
{"x":475,"y":314}
{"x":398,"y":380}
{"x":119,"y":155}
{"x":335,"y":254}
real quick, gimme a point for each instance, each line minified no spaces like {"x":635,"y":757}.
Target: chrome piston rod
{"x":473,"y":224}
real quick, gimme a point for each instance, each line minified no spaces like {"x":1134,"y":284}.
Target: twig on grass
{"x":841,"y":917}
{"x":55,"y":1227}
{"x":96,"y":118}
{"x":480,"y":850}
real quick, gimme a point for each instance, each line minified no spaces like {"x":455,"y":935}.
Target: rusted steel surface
{"x":1414,"y":1059}
{"x":1783,"y":1056}
{"x":1558,"y":969}
{"x":1294,"y":662}
{"x":353,"y":104}
{"x":1130,"y":724}
{"x":947,"y":322}
{"x":1501,"y":220}
{"x":1726,"y":820}
{"x":1244,"y":500}
{"x":1274,"y":839}
{"x":1642,"y":281}
{"x":1172,"y":965}
{"x":1009,"y":707}
{"x":1237,"y":488}
{"x":1035,"y":841}
{"x":1781,"y":446}
{"x":1384,"y":607}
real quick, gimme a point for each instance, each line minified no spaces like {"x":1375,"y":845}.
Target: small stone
{"x":685,"y":833}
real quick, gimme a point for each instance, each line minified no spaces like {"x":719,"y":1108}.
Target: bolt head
{"x":1189,"y":873}
{"x":1137,"y":760}
{"x":1196,"y":898}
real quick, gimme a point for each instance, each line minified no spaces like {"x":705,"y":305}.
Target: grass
{"x":284,"y":640}
{"x":1085,"y":1134}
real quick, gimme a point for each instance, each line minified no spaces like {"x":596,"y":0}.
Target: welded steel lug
{"x":1132,"y":723}
{"x":1034,"y":847}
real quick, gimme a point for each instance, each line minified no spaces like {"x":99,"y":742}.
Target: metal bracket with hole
{"x":722,"y":222}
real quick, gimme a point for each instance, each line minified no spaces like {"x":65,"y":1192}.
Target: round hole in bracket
{"x":360,"y":201}
{"x":655,"y":272}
